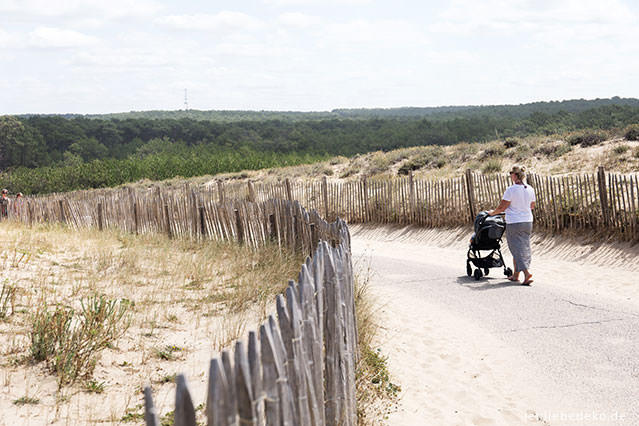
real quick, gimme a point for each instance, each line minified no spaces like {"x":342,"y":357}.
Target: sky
{"x":97,"y":56}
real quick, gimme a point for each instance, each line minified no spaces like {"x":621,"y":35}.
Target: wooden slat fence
{"x":299,"y":369}
{"x":603,"y":203}
{"x":182,"y":214}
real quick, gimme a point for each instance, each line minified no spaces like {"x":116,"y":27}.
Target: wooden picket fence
{"x":599,"y":203}
{"x":182,"y":214}
{"x":300,"y":369}
{"x":602,"y":203}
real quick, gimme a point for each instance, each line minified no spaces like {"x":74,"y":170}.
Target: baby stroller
{"x":487,"y":236}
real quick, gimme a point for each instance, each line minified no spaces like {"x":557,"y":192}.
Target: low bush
{"x":510,"y":143}
{"x":553,"y":149}
{"x":432,"y":158}
{"x":586,"y":139}
{"x":631,"y":132}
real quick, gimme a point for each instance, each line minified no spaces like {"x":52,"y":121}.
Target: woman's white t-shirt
{"x":520,"y":197}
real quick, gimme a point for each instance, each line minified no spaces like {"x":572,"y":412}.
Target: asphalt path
{"x":588,"y":346}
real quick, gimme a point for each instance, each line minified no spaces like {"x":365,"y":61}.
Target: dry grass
{"x":187,"y":300}
{"x":376,"y":393}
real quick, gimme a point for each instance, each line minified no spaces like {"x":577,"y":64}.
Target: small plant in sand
{"x":70,"y":340}
{"x":7,"y":299}
{"x":93,"y":386}
{"x":26,"y":400}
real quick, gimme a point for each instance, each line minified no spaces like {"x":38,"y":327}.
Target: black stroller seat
{"x":487,"y":236}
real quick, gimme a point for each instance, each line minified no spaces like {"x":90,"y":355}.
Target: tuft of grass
{"x":70,"y":340}
{"x":94,"y":387}
{"x":167,"y":378}
{"x":493,"y":165}
{"x":621,"y":149}
{"x":167,"y":353}
{"x":26,"y":400}
{"x":135,"y":414}
{"x":7,"y":299}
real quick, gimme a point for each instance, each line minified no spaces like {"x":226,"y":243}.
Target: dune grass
{"x":90,"y":317}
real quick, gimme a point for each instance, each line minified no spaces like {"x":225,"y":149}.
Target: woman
{"x":518,"y":202}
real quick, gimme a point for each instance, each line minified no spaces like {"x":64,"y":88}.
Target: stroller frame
{"x":482,"y":264}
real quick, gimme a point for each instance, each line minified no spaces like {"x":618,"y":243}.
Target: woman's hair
{"x":519,"y":172}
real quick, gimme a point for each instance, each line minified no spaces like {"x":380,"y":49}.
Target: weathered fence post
{"x":471,"y":193}
{"x":325,"y":196}
{"x":100,"y":217}
{"x":202,"y":222}
{"x":273,"y":225}
{"x":603,"y":194}
{"x":251,"y":192}
{"x":150,"y":413}
{"x":135,"y":217}
{"x":184,"y":414}
{"x":220,"y":190}
{"x":62,"y":218}
{"x":168,"y":221}
{"x":240,"y":230}
{"x":30,"y":213}
{"x":367,"y":214}
{"x":289,"y":193}
{"x":313,"y":239}
{"x":411,"y":182}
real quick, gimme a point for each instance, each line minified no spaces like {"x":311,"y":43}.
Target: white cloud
{"x":298,"y":20}
{"x":468,"y":16}
{"x":111,"y":9}
{"x":46,"y":37}
{"x":377,"y":34}
{"x":300,"y":3}
{"x":222,"y":21}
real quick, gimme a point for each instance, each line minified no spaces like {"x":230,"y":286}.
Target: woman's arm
{"x":503,"y":205}
{"x":532,"y":205}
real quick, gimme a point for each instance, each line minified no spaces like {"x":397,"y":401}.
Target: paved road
{"x":589,"y":346}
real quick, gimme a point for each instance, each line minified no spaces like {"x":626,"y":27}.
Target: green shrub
{"x":632,"y":132}
{"x":510,"y":143}
{"x":586,"y":139}
{"x":432,"y":158}
{"x":553,"y":149}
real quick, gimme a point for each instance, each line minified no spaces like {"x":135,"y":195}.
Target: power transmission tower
{"x":186,"y":102}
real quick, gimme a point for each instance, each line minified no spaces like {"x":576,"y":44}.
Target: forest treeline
{"x":87,"y":151}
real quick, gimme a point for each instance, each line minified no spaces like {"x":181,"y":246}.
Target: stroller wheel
{"x":469,"y":269}
{"x":508,"y":272}
{"x":486,"y":270}
{"x":477,"y":274}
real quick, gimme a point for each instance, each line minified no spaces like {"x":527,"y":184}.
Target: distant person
{"x":4,"y":204}
{"x":518,"y":202}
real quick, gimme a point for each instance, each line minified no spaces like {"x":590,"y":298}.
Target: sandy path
{"x":490,"y":353}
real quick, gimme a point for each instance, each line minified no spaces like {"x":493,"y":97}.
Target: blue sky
{"x":96,"y":56}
